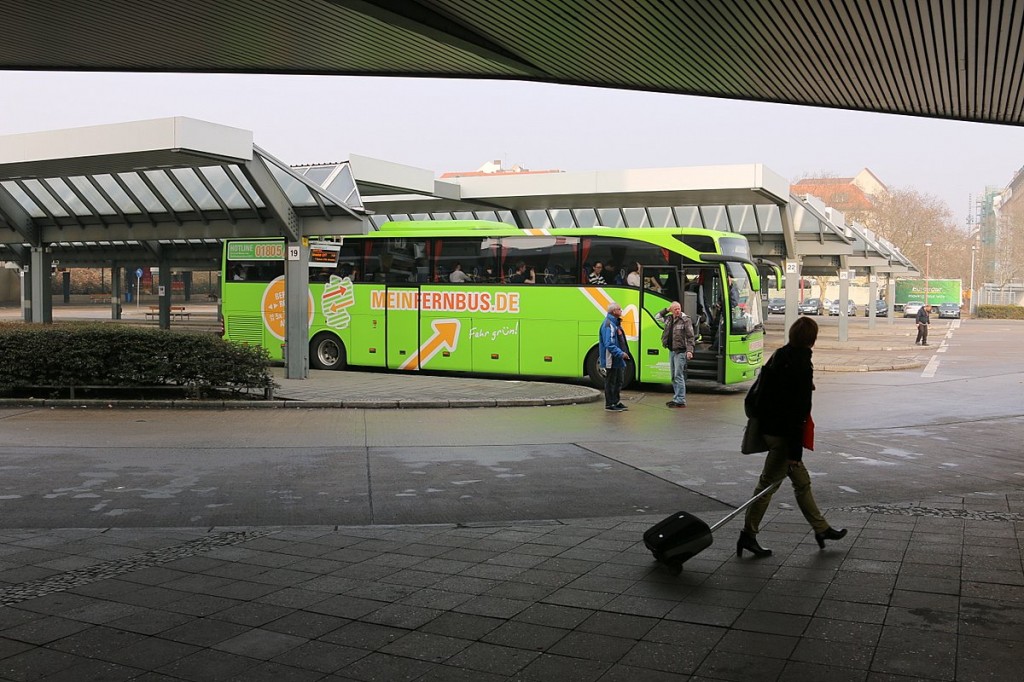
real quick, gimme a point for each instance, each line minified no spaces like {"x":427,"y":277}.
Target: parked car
{"x":811,"y":306}
{"x":851,"y":308}
{"x":777,"y":306}
{"x":881,"y":309}
{"x":949,"y":310}
{"x":910,"y":308}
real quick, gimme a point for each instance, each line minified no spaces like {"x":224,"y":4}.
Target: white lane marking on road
{"x":931,"y":368}
{"x":848,"y":489}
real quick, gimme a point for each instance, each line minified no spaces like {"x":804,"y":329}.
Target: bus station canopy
{"x":164,"y":190}
{"x":955,"y":60}
{"x":748,"y":199}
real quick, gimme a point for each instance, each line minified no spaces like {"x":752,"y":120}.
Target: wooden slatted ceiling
{"x":961,"y":59}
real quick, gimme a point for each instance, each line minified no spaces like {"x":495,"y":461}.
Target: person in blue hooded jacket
{"x":612,"y":356}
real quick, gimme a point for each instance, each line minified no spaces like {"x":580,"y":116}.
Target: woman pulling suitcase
{"x":783,"y":408}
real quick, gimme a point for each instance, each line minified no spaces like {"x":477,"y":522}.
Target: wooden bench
{"x":99,"y":298}
{"x":177,"y":311}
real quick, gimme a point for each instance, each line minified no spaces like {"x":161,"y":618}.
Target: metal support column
{"x":872,"y":297}
{"x":890,"y":299}
{"x":844,"y":296}
{"x":164,"y":293}
{"x":115,"y":291}
{"x":296,"y":285}
{"x":42,"y":294}
{"x":26,"y":294}
{"x":793,"y":276}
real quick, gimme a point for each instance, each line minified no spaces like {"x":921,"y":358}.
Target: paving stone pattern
{"x":907,"y":595}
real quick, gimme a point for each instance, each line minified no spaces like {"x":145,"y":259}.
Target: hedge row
{"x":90,"y":354}
{"x":1000,"y":312}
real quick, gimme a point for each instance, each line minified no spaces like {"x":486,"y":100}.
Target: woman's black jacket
{"x":784,"y":402}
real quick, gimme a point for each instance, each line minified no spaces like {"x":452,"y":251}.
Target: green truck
{"x":939,"y":291}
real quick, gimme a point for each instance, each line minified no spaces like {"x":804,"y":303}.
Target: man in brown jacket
{"x":678,"y":337}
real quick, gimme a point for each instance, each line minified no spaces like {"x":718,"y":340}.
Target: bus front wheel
{"x":596,"y":373}
{"x":326,"y":352}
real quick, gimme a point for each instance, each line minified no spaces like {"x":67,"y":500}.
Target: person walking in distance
{"x":923,"y":320}
{"x":612,"y":356}
{"x":678,"y":338}
{"x":783,"y":408}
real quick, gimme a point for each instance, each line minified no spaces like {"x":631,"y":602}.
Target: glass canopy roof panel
{"x":561,"y":217}
{"x":141,"y":192}
{"x":770,"y":218}
{"x":688,"y":216}
{"x":317,"y":174}
{"x":585,"y":217}
{"x":174,"y":198}
{"x":610,"y":217}
{"x":67,"y":196}
{"x":218,"y":178}
{"x":26,"y":202}
{"x":343,"y":186}
{"x":661,"y":216}
{"x":715,"y":218}
{"x":743,"y":219}
{"x":538,"y":218}
{"x":195,"y":188}
{"x":237,"y":173}
{"x":116,"y":194}
{"x":298,"y":194}
{"x":92,"y":195}
{"x":636,"y":217}
{"x":41,"y":196}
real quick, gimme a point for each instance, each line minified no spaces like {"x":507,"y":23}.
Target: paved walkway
{"x":930,"y":590}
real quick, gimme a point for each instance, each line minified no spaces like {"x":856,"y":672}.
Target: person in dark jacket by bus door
{"x":678,"y":338}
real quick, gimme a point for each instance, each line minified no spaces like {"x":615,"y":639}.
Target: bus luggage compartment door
{"x":402,"y":327}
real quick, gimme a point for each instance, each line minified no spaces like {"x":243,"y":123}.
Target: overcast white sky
{"x":448,"y":125}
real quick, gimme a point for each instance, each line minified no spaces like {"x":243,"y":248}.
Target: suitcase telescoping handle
{"x":731,"y":515}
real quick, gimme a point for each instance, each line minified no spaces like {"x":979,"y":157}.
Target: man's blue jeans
{"x":677,"y":361}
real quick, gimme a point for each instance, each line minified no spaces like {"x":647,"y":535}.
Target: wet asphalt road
{"x":953,"y":427}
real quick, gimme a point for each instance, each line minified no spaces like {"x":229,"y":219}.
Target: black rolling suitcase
{"x":682,"y":536}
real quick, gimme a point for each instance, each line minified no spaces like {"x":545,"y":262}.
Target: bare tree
{"x":911,"y":219}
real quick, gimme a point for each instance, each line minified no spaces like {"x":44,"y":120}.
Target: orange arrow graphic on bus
{"x":630,"y":317}
{"x":446,"y":335}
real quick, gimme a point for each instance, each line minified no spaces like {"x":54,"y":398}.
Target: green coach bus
{"x":488,"y":298}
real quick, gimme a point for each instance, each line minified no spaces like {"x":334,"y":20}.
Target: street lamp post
{"x":927,"y":269}
{"x":970,"y":305}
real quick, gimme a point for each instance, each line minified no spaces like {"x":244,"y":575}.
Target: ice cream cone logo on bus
{"x":601,"y":300}
{"x":445,"y":336}
{"x":273,"y":305}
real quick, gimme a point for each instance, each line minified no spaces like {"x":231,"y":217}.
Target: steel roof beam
{"x":18,"y":218}
{"x":273,"y":197}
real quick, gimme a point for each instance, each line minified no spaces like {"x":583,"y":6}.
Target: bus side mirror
{"x":755,"y":279}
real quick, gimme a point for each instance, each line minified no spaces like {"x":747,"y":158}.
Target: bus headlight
{"x":740,"y":359}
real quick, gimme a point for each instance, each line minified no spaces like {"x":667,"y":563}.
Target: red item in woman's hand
{"x":809,"y":433}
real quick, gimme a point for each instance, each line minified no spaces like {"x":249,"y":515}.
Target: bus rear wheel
{"x":596,"y":373}
{"x":326,"y":352}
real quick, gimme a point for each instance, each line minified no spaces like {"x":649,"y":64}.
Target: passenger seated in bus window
{"x":596,"y":276}
{"x":458,"y":276}
{"x":238,"y":273}
{"x":612,"y":274}
{"x":633,"y":278}
{"x":522,"y":275}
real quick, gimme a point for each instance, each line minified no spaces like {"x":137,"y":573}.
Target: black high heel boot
{"x":749,"y":542}
{"x":829,"y":534}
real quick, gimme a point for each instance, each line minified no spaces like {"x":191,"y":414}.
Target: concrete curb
{"x":590,"y":396}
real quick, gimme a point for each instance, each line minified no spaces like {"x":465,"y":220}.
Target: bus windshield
{"x":744,"y":302}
